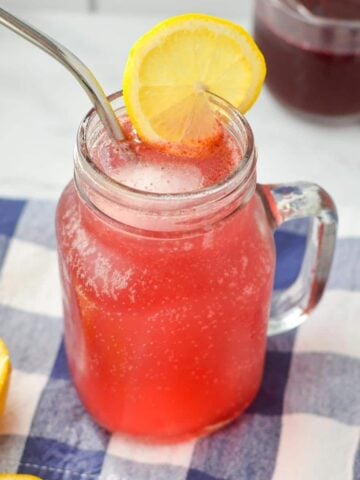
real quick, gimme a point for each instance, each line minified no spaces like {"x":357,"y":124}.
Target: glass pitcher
{"x":312,"y":50}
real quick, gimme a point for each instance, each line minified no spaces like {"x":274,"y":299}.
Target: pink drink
{"x":166,"y":308}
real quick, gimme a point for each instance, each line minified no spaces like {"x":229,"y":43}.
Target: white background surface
{"x":140,"y":7}
{"x":41,"y":106}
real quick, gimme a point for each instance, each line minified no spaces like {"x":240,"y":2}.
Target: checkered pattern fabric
{"x":303,"y":425}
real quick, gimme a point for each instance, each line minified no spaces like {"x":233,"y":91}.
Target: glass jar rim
{"x":85,"y":164}
{"x":315,"y":20}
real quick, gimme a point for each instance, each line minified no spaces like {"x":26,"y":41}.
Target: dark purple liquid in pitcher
{"x":319,"y":81}
{"x":341,"y":9}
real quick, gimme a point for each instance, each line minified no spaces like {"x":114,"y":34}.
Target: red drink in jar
{"x":165,"y":332}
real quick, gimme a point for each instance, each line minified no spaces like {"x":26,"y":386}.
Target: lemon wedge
{"x":5,"y":369}
{"x":16,"y":476}
{"x":171,"y":68}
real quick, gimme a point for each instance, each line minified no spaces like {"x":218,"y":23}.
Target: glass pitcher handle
{"x":291,"y":307}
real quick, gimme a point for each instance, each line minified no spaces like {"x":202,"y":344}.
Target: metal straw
{"x":75,"y":66}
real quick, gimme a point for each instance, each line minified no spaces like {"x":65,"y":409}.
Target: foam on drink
{"x":163,"y":169}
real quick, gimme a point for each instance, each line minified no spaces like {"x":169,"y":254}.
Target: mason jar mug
{"x":168,"y":297}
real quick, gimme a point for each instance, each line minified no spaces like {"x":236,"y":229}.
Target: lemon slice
{"x":16,"y":476}
{"x":171,"y":68}
{"x":5,"y":369}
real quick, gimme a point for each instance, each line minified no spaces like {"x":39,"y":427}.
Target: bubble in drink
{"x":150,"y":169}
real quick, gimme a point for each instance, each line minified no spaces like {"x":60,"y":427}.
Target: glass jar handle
{"x":292,"y":201}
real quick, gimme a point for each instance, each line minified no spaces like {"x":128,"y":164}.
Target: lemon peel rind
{"x":5,"y":371}
{"x":17,"y":476}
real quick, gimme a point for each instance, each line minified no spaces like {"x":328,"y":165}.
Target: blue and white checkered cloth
{"x":303,"y":425}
